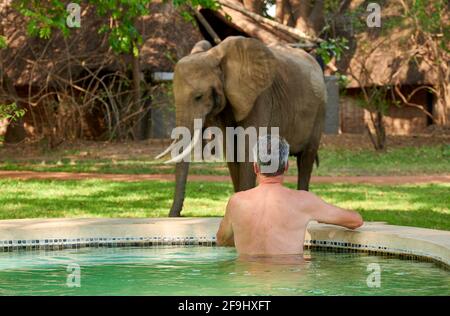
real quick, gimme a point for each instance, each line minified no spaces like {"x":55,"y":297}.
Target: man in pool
{"x":271,"y":219}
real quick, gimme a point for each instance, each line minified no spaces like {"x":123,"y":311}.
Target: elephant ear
{"x":249,"y":69}
{"x":201,"y":46}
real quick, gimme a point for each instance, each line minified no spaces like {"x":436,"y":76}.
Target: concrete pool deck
{"x":373,"y":237}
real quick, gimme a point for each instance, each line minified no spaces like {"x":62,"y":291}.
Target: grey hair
{"x":271,"y":163}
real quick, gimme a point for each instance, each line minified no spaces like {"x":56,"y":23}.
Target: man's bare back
{"x":271,"y":219}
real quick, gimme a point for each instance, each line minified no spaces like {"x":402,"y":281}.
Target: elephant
{"x":243,"y":82}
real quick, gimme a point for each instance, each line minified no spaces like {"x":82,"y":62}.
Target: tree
{"x":306,"y":15}
{"x":429,"y":43}
{"x":256,"y":6}
{"x":120,"y":18}
{"x":10,"y":114}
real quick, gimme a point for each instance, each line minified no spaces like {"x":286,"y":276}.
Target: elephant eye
{"x":198,"y":97}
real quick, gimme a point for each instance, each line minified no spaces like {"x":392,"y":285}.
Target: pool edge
{"x":373,"y":237}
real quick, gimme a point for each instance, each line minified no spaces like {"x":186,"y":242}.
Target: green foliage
{"x":210,"y":4}
{"x":3,"y":43}
{"x":342,"y":82}
{"x":332,"y":47}
{"x":424,"y":205}
{"x":44,"y":17}
{"x":378,"y":99}
{"x":11,"y":113}
{"x":430,"y":17}
{"x":411,"y":160}
{"x":428,"y":14}
{"x":123,"y":35}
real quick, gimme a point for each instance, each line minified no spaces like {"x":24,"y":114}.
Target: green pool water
{"x":211,"y":271}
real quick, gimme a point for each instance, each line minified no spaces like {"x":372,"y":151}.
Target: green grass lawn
{"x":425,"y":205}
{"x":424,"y":160}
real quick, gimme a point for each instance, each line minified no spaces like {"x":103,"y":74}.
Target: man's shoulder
{"x":239,"y":198}
{"x":299,"y":193}
{"x":304,"y":197}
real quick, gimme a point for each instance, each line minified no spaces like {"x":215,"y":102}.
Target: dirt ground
{"x":148,"y":149}
{"x":385,"y":180}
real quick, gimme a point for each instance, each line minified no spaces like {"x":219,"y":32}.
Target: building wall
{"x":351,"y":115}
{"x":400,"y":120}
{"x":162,"y":111}
{"x":332,"y":106}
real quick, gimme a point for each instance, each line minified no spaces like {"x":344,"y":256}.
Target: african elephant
{"x":243,"y":82}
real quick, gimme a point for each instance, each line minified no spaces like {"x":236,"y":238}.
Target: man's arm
{"x":225,"y":236}
{"x":323,"y":212}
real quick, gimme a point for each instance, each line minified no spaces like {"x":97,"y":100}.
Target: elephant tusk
{"x":166,"y":151}
{"x":188,"y":149}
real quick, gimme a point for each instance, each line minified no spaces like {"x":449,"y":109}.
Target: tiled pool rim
{"x":373,"y":237}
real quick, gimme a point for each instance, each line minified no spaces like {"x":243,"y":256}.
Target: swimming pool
{"x":194,"y":270}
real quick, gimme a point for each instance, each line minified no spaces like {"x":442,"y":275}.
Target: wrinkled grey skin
{"x":242,"y":82}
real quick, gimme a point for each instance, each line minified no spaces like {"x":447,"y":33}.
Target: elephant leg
{"x":247,"y":176}
{"x":181,"y":173}
{"x":305,"y":163}
{"x":233,"y":167}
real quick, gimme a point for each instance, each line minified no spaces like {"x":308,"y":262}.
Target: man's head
{"x":271,"y":153}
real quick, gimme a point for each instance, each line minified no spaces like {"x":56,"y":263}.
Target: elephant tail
{"x":317,"y":160}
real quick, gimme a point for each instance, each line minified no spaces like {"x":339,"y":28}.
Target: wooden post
{"x":207,"y":26}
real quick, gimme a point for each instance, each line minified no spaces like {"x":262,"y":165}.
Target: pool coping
{"x":372,"y":237}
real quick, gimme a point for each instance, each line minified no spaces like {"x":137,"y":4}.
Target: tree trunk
{"x":3,"y":126}
{"x":140,"y":129}
{"x":287,"y":14}
{"x":441,"y":108}
{"x":293,"y":32}
{"x":181,"y":173}
{"x":379,"y":139}
{"x":300,"y":10}
{"x":279,"y":10}
{"x":301,"y":14}
{"x":255,"y":6}
{"x":440,"y":115}
{"x":316,"y":17}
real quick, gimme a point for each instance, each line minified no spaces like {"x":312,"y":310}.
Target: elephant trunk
{"x":182,"y":166}
{"x":181,"y":173}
